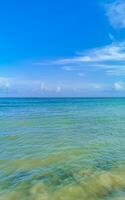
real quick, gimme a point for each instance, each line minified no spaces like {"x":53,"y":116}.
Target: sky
{"x":69,"y":48}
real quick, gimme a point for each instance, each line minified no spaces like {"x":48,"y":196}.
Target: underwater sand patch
{"x":8,"y":137}
{"x":94,"y":187}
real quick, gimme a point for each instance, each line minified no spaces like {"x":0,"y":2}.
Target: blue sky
{"x":62,"y":48}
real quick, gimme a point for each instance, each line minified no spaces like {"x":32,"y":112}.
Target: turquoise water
{"x":62,"y":148}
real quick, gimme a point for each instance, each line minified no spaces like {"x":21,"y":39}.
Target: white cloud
{"x":76,"y":86}
{"x":120,"y":85}
{"x":5,"y":83}
{"x":113,"y":52}
{"x":116,"y":13}
{"x":21,"y":87}
{"x":45,"y":88}
{"x":110,"y":59}
{"x":106,"y":57}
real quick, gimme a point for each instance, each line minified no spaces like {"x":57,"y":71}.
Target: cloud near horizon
{"x":39,"y":88}
{"x":119,"y":86}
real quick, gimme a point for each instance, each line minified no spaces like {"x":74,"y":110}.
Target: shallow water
{"x":62,"y":149}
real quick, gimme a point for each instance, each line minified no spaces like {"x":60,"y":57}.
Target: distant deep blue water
{"x":62,"y":148}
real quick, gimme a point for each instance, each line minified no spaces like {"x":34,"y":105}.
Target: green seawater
{"x":62,"y":148}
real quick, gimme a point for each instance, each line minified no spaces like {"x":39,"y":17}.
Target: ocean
{"x":62,"y":148}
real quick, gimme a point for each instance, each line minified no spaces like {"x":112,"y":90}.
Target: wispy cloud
{"x":120,"y":85}
{"x":28,"y":87}
{"x":45,"y":88}
{"x":109,"y":58}
{"x":21,"y":87}
{"x":116,"y":13}
{"x":113,"y":52}
{"x":5,"y":82}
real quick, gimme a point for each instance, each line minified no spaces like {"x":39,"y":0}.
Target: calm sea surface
{"x":62,"y":148}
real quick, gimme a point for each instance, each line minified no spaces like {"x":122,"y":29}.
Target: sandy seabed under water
{"x":64,"y":184}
